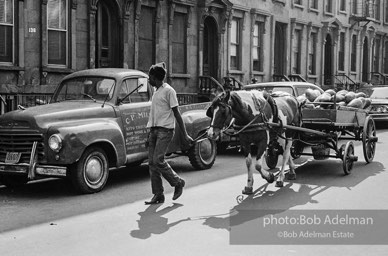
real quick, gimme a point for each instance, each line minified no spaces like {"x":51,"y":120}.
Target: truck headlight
{"x":55,"y":142}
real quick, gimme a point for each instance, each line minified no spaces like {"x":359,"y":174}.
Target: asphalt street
{"x":47,"y":218}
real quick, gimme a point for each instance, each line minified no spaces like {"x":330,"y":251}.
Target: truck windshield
{"x":85,"y":88}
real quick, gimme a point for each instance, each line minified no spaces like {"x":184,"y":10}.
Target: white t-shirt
{"x":161,"y":114}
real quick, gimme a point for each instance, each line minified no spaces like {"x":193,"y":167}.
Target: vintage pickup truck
{"x":95,"y":121}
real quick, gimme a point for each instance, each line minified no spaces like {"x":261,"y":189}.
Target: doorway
{"x":280,"y":49}
{"x":328,"y":69}
{"x":210,"y":48}
{"x":107,"y":35}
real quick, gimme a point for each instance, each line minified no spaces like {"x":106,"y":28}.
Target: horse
{"x":251,"y":112}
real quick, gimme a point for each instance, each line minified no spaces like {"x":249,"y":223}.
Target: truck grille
{"x":21,"y":141}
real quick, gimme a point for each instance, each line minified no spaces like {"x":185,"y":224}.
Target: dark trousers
{"x":158,"y":140}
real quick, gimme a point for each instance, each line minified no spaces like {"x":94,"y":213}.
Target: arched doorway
{"x":328,"y":69}
{"x":210,"y":48}
{"x":280,"y":49}
{"x":365,"y":61}
{"x":107,"y":35}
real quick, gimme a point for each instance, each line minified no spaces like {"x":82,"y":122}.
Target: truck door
{"x":134,"y":107}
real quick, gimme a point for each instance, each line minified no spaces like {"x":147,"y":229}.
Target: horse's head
{"x":220,"y":113}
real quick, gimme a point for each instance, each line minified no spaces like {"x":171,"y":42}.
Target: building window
{"x":341,"y":53}
{"x":57,"y":43}
{"x":342,"y":5}
{"x":353,"y":54}
{"x":386,"y":58}
{"x":257,"y":48}
{"x":179,"y":43}
{"x":146,"y":38}
{"x":355,"y":7}
{"x":298,"y":2}
{"x":314,"y":4}
{"x":235,"y":44}
{"x":376,"y":56}
{"x":6,"y":30}
{"x":377,"y":9}
{"x":296,"y":51}
{"x":329,"y":6}
{"x":386,"y":12}
{"x":313,"y":54}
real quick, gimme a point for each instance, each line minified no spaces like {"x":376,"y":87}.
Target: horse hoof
{"x":271,"y":178}
{"x":291,"y":176}
{"x":279,"y":184}
{"x":248,"y":191}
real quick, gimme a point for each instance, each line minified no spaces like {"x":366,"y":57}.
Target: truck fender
{"x":77,"y":137}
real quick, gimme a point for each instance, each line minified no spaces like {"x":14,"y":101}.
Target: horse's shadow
{"x":261,"y":203}
{"x":310,"y":182}
{"x":152,"y":222}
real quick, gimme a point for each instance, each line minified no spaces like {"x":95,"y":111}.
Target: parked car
{"x":294,"y":88}
{"x":379,"y":105}
{"x":96,"y":121}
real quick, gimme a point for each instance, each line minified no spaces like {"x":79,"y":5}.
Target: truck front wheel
{"x":203,"y":154}
{"x":90,"y":173}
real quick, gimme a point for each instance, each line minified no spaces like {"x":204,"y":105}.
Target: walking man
{"x":164,"y":112}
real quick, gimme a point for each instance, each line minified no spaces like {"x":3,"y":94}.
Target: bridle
{"x":224,"y":125}
{"x":245,"y":128}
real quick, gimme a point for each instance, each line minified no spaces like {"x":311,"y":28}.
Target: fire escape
{"x":363,"y":12}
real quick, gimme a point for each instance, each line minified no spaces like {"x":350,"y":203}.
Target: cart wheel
{"x":348,"y":158}
{"x":271,"y":158}
{"x":369,"y":139}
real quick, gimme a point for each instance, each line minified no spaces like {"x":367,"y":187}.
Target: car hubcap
{"x":94,"y":170}
{"x":206,"y":151}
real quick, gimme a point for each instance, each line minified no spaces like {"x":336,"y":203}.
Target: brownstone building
{"x":320,"y":40}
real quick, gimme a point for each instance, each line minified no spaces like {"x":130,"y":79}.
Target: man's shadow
{"x":152,"y":222}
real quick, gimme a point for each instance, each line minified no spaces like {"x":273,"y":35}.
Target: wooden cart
{"x":323,"y":129}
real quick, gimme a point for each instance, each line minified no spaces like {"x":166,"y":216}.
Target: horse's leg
{"x":268,"y":176}
{"x":245,"y":146}
{"x":286,"y":157}
{"x":260,"y":147}
{"x":248,"y":190}
{"x":291,"y":174}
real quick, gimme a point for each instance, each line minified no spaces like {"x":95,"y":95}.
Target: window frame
{"x":12,"y":42}
{"x":353,"y":54}
{"x":184,"y":43}
{"x":152,"y":40}
{"x":67,"y":36}
{"x":312,"y":54}
{"x":297,"y":51}
{"x":376,"y":54}
{"x":341,"y":51}
{"x":386,"y":57}
{"x":237,"y":44}
{"x":342,"y":6}
{"x":329,"y":7}
{"x":258,"y":47}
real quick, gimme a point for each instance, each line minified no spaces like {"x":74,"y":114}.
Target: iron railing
{"x":11,"y":101}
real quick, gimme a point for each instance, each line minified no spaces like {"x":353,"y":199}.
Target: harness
{"x":252,"y":126}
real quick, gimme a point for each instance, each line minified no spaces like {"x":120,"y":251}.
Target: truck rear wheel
{"x":203,"y":154}
{"x":90,"y":173}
